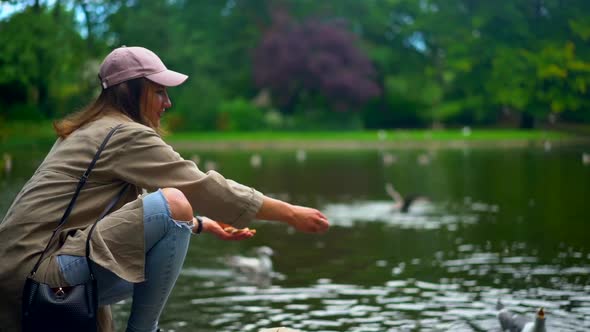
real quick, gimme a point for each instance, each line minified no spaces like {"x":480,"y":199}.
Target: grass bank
{"x":375,"y":135}
{"x":15,"y":135}
{"x":378,"y":139}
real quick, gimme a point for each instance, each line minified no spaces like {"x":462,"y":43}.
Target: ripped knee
{"x":180,"y":208}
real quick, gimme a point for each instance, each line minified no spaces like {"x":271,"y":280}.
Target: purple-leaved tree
{"x":312,"y":58}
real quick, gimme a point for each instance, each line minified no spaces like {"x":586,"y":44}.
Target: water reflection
{"x":458,"y":301}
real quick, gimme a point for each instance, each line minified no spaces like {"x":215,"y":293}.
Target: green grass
{"x":374,"y":135}
{"x":20,"y":134}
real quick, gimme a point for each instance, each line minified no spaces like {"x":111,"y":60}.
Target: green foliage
{"x":22,"y":112}
{"x":558,"y":67}
{"x":581,"y":28}
{"x":38,"y":50}
{"x":413,"y":98}
{"x":239,"y":115}
{"x":551,"y":79}
{"x":194,"y":105}
{"x":319,"y":119}
{"x":396,"y":113}
{"x":452,"y":61}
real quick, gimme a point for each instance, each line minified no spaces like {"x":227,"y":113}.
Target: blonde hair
{"x":131,"y":98}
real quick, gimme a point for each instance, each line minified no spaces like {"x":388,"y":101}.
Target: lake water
{"x":509,"y":224}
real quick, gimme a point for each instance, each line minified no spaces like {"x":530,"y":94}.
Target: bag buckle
{"x":60,"y":294}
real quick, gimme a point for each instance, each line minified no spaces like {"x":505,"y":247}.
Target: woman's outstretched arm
{"x":302,"y":218}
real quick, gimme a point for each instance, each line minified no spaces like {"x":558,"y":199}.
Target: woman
{"x":138,"y":250}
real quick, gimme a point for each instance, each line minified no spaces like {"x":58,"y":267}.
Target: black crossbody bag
{"x":72,"y":308}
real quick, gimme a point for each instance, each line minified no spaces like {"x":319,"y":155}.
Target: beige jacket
{"x":137,"y":155}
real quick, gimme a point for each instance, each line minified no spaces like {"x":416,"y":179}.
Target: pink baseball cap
{"x":126,"y":63}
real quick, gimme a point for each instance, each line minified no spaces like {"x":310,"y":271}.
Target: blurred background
{"x":380,"y":103}
{"x":293,"y":64}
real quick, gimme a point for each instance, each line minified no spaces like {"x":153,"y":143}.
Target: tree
{"x":541,"y":68}
{"x":40,"y":51}
{"x":300,"y":62}
{"x":417,"y":62}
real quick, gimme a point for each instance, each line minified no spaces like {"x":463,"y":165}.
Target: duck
{"x":388,"y":159}
{"x":253,"y":267}
{"x":517,"y":323}
{"x":402,"y":204}
{"x":255,"y":160}
{"x":7,"y":163}
{"x":300,"y":156}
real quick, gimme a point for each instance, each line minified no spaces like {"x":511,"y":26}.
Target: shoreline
{"x":217,"y":145}
{"x":25,"y":136}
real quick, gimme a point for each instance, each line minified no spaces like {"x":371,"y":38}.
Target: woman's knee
{"x":180,"y":208}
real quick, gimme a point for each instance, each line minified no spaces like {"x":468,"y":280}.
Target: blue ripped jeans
{"x":166,"y":245}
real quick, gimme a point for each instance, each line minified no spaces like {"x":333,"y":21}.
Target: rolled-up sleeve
{"x":148,"y":162}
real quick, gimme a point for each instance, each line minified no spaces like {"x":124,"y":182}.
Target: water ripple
{"x":456,"y":302}
{"x":427,"y":217}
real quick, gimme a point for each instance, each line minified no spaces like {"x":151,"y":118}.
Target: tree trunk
{"x":527,"y":121}
{"x":88,"y":19}
{"x":291,"y":105}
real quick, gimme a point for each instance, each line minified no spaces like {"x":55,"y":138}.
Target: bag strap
{"x":81,"y":183}
{"x":104,"y":213}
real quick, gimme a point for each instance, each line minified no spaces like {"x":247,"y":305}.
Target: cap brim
{"x":167,"y":78}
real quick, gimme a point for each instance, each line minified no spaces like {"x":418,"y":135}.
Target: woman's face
{"x":156,"y":104}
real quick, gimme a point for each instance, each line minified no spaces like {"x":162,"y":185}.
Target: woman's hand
{"x":224,"y":231}
{"x":308,"y":220}
{"x":304,"y":219}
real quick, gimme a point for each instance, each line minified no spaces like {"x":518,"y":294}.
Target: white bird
{"x":7,"y":163}
{"x":547,"y":146}
{"x":466,"y":131}
{"x":388,"y":159}
{"x":253,"y":267}
{"x":423,"y":159}
{"x":586,"y":158}
{"x":255,"y":160}
{"x":300,"y":156}
{"x":516,"y":323}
